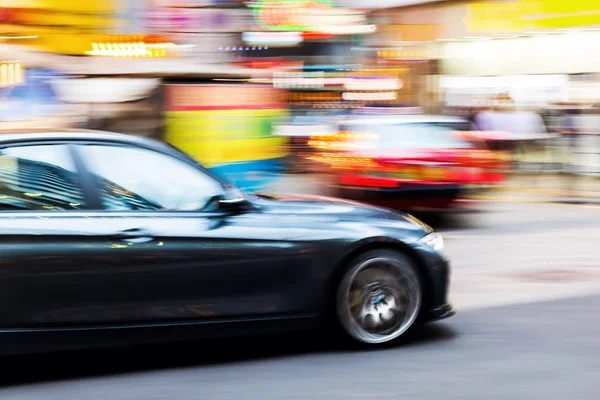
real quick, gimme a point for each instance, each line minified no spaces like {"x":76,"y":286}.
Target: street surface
{"x":526,"y":280}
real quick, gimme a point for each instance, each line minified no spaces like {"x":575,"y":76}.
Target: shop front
{"x":29,"y":99}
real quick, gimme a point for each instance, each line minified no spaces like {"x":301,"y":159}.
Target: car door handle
{"x":135,"y":235}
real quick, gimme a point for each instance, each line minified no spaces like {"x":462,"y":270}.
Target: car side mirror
{"x":233,"y":200}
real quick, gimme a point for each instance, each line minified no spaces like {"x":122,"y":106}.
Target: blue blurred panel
{"x":251,"y":176}
{"x":33,"y":99}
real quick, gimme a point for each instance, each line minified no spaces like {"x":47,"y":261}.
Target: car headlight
{"x":435,"y":241}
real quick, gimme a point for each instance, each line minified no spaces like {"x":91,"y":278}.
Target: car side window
{"x":39,"y":178}
{"x":138,"y":179}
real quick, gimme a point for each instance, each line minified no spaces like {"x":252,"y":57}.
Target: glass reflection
{"x":138,"y":179}
{"x":39,"y":178}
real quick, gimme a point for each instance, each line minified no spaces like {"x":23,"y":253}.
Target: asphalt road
{"x":526,"y":283}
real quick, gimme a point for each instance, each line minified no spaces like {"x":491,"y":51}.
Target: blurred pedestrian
{"x":571,"y":135}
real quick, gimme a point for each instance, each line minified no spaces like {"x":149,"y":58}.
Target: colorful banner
{"x":222,"y":97}
{"x":228,"y":128}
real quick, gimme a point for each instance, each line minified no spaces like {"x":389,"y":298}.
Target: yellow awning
{"x":75,"y":6}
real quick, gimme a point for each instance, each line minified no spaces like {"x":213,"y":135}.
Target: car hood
{"x":341,"y":210}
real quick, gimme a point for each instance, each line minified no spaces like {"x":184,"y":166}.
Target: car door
{"x":53,"y":265}
{"x":180,"y":256}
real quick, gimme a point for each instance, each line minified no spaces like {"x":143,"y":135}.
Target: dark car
{"x":109,"y":239}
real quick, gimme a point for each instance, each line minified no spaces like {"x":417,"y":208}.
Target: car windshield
{"x":396,"y":137}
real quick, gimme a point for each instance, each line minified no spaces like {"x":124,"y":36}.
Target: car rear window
{"x":411,"y":136}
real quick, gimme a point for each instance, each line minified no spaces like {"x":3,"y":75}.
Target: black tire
{"x":390,"y":295}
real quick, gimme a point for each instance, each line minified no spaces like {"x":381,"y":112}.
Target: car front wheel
{"x":379,"y":297}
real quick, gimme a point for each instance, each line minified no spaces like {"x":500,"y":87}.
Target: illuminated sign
{"x":272,"y":38}
{"x":383,"y":83}
{"x":337,"y":96}
{"x":304,"y":80}
{"x":140,"y":50}
{"x":371,"y":96}
{"x":309,"y":15}
{"x":11,"y":73}
{"x":314,"y":96}
{"x":369,"y":84}
{"x":317,"y":80}
{"x":294,"y":15}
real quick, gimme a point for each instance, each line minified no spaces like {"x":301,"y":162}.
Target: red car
{"x":410,"y":162}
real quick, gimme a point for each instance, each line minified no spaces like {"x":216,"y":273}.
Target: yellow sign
{"x":129,"y":49}
{"x":531,"y":14}
{"x":89,"y":14}
{"x":64,"y":5}
{"x":60,"y":26}
{"x":215,"y":137}
{"x":484,"y":18}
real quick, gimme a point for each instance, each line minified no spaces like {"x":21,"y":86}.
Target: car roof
{"x":29,"y":135}
{"x":404,"y":119}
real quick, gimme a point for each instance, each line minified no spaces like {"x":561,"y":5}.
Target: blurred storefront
{"x":505,"y":56}
{"x":203,"y":27}
{"x":343,"y":87}
{"x":29,"y":99}
{"x":538,"y":44}
{"x":541,"y":55}
{"x":545,"y":39}
{"x":408,"y":36}
{"x":412,"y":48}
